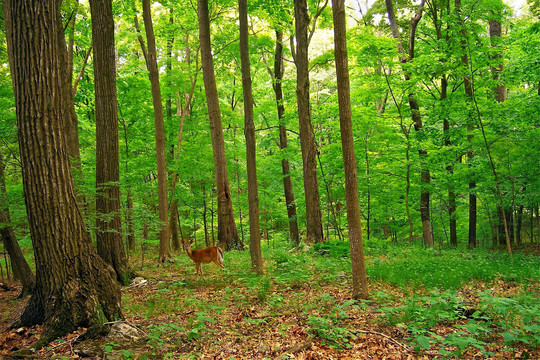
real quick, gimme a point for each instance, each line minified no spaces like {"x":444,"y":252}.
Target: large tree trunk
{"x":249,"y":133}
{"x":425,"y":176}
{"x":108,"y":221}
{"x":287,"y":182}
{"x":227,"y":233}
{"x":19,"y":265}
{"x":74,"y":286}
{"x":314,"y":231}
{"x":151,"y":63}
{"x":360,"y":284}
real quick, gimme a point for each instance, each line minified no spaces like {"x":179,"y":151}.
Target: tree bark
{"x":249,"y":133}
{"x":19,"y":265}
{"x":153,"y":74}
{"x":287,"y":182}
{"x":227,"y":233}
{"x":314,"y":231}
{"x":74,"y":286}
{"x":108,"y":221}
{"x":72,"y":125}
{"x":360,"y":283}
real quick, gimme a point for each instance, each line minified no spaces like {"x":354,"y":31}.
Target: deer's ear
{"x":191,"y":242}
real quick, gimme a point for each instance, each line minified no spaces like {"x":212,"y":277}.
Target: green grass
{"x":449,"y":269}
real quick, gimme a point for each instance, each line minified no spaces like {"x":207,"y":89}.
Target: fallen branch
{"x":370,"y":332}
{"x":296,"y":348}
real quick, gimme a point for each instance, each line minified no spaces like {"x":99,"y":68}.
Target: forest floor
{"x":301,"y":309}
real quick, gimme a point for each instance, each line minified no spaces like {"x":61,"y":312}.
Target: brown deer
{"x":204,"y":256}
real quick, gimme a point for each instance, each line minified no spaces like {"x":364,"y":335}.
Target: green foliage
{"x":327,"y":324}
{"x":335,"y":249}
{"x":448,"y":269}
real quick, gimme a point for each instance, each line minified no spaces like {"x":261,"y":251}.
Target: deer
{"x":204,"y":256}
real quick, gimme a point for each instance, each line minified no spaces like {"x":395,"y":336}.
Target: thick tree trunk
{"x":227,"y":233}
{"x":287,"y":182}
{"x":74,"y":286}
{"x":314,"y":231}
{"x":360,"y":283}
{"x":108,"y":221}
{"x":164,"y":244}
{"x":249,"y":133}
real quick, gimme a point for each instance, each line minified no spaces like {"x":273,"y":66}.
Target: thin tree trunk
{"x":19,"y":265}
{"x":314,"y":231}
{"x":287,"y":182}
{"x":227,"y":233}
{"x":500,"y":96}
{"x":74,"y":286}
{"x":151,"y":63}
{"x":249,"y":133}
{"x":183,"y":111}
{"x":108,"y":222}
{"x":129,"y":199}
{"x":519,"y":224}
{"x":425,"y":176}
{"x":72,"y":125}
{"x":450,"y":170}
{"x":360,"y":283}
{"x":406,"y":132}
{"x":470,"y":154}
{"x":367,"y":183}
{"x":205,"y":220}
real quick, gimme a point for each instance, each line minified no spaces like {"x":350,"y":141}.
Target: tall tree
{"x":249,"y":133}
{"x":153,"y":74}
{"x":314,"y":231}
{"x":19,"y":265}
{"x":227,"y":233}
{"x":71,"y":123}
{"x":183,"y":112}
{"x":470,"y":154}
{"x":360,"y":283}
{"x":437,"y":24}
{"x":108,"y":222}
{"x":495,"y":33}
{"x":285,"y":167}
{"x":415,"y":114}
{"x":74,"y":286}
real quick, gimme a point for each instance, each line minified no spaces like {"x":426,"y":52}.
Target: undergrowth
{"x":449,"y":301}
